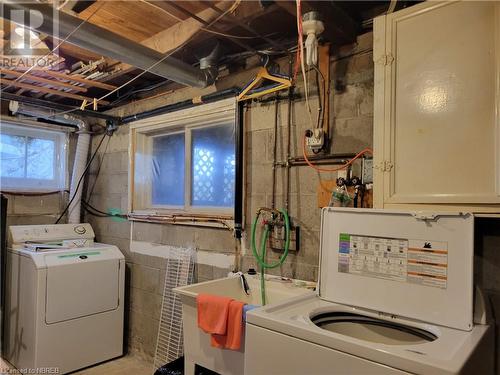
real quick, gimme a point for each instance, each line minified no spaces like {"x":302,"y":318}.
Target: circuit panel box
{"x":277,"y":238}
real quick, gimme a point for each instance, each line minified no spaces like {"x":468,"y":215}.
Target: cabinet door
{"x":437,"y":95}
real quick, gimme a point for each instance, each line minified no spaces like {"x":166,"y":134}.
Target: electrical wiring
{"x":302,"y":60}
{"x":96,"y":212}
{"x":227,"y":35}
{"x":321,"y":99}
{"x":56,"y":47}
{"x":358,"y":155}
{"x":91,"y":212}
{"x":87,"y":167}
{"x":125,"y":84}
{"x":137,"y":91}
{"x":167,"y":55}
{"x":91,"y":190}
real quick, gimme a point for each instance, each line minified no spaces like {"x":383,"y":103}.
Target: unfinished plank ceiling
{"x":188,"y":30}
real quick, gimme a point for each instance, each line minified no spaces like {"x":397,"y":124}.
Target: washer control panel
{"x":52,"y":232}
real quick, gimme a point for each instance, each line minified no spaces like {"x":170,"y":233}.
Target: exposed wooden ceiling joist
{"x":53,"y":83}
{"x":206,"y":24}
{"x":8,"y":82}
{"x":175,"y":36}
{"x":73,"y":78}
{"x":182,"y":28}
{"x":130,"y":19}
{"x":238,"y":22}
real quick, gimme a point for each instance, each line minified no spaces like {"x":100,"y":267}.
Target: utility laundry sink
{"x":197,"y":348}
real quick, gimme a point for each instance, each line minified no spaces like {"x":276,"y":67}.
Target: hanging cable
{"x":321,"y":98}
{"x":227,"y":35}
{"x":302,"y":60}
{"x":56,"y":47}
{"x":96,"y":212}
{"x":167,"y":55}
{"x":91,"y":190}
{"x":87,"y":167}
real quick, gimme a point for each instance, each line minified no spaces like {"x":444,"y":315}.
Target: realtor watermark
{"x":28,"y":371}
{"x":30,"y":37}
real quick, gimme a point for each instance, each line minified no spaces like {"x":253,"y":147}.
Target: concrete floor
{"x":121,"y":366}
{"x":124,"y":365}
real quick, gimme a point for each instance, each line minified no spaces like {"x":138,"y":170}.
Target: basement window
{"x":32,"y":159}
{"x":184,"y":162}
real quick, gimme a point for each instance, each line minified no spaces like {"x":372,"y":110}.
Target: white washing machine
{"x":64,"y":298}
{"x":395,"y":296}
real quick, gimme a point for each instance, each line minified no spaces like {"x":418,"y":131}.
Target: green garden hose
{"x":261,"y":258}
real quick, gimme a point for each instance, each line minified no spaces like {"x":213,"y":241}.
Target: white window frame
{"x":61,"y":141}
{"x":184,"y":121}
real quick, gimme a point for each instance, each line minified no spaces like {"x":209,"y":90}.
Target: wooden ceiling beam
{"x":206,"y":23}
{"x":46,"y":90}
{"x":169,"y":39}
{"x":244,"y":24}
{"x":68,"y":77}
{"x":54,"y":83}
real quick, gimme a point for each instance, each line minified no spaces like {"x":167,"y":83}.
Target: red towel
{"x":231,"y":340}
{"x":213,"y":313}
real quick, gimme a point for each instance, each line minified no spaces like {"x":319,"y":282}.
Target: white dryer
{"x":64,"y":298}
{"x":395,"y":296}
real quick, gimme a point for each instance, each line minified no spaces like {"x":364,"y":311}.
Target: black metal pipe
{"x":271,"y":99}
{"x":323,"y":157}
{"x":182,"y":105}
{"x":63,"y":108}
{"x":239,"y":167}
{"x":319,"y":162}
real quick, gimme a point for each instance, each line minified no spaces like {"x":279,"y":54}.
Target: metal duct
{"x":79,"y":166}
{"x":106,"y":43}
{"x":18,"y":108}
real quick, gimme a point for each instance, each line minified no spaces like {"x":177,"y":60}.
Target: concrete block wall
{"x":32,"y":210}
{"x":351,"y":127}
{"x":43,"y":209}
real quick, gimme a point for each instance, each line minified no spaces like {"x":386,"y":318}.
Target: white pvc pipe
{"x":82,"y":149}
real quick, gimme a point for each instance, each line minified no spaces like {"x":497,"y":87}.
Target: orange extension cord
{"x":358,"y":155}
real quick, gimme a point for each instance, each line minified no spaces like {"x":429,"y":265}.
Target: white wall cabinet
{"x":437,"y":107}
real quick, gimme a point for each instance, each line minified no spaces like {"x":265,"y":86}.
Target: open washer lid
{"x":407,"y":264}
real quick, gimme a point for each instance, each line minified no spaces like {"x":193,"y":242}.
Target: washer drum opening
{"x":371,"y":329}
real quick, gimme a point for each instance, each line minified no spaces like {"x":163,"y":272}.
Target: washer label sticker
{"x":427,"y":263}
{"x":413,"y":261}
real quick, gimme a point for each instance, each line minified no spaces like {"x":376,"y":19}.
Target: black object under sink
{"x":177,"y":368}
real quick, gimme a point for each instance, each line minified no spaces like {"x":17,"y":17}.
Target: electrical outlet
{"x":277,"y":238}
{"x":315,"y":139}
{"x":367,"y":171}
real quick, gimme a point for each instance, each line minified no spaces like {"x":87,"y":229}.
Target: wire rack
{"x":179,"y":272}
